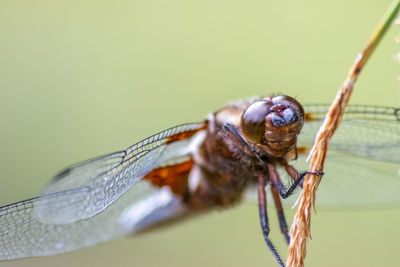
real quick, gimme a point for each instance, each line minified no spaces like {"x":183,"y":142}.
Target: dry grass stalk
{"x":300,"y":230}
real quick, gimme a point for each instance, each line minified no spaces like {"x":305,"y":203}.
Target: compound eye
{"x":253,"y":121}
{"x":292,"y":105}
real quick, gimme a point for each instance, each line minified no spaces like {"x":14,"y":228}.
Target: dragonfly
{"x":251,"y":149}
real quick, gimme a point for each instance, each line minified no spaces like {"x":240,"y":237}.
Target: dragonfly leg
{"x":281,"y":215}
{"x":291,"y":171}
{"x":230,"y":128}
{"x":262,"y":209}
{"x":276,"y":181}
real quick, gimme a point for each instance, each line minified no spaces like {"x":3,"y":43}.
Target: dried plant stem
{"x":300,"y":230}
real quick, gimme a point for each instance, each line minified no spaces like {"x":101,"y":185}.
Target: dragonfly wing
{"x":362,"y":167}
{"x":371,"y":132}
{"x":365,"y":183}
{"x":29,"y":228}
{"x":23,"y":234}
{"x":85,"y":189}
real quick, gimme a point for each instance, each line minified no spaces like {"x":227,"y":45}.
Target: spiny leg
{"x":262,"y":209}
{"x":276,"y":180}
{"x":295,"y":175}
{"x":281,"y":214}
{"x":291,"y":171}
{"x":230,"y":128}
{"x":277,"y":183}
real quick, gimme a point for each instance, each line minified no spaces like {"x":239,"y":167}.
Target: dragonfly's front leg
{"x":276,"y":180}
{"x":277,"y":183}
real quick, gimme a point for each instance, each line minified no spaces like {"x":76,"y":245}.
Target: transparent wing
{"x":85,"y":189}
{"x":84,"y":203}
{"x":23,"y":234}
{"x":371,"y":132}
{"x":362,"y":168}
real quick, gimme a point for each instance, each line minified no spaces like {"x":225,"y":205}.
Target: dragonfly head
{"x":272,"y":124}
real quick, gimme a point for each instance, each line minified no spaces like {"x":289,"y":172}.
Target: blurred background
{"x":83,"y":78}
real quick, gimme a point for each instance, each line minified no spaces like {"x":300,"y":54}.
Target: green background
{"x":83,"y":78}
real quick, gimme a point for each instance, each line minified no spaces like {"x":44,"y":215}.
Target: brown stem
{"x":300,"y":230}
